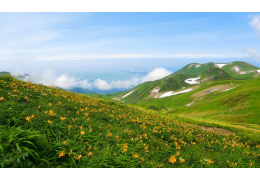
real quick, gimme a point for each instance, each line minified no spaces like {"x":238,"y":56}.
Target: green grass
{"x":84,"y":131}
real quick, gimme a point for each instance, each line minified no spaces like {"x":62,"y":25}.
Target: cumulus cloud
{"x":253,"y":53}
{"x":156,"y":74}
{"x":49,"y":78}
{"x":66,"y":82}
{"x":255,"y":22}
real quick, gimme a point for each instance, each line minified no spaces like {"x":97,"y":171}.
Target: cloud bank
{"x":66,"y":82}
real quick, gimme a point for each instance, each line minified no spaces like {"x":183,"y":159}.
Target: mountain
{"x":187,"y":79}
{"x":236,"y":69}
{"x":46,"y":127}
{"x":223,"y":94}
{"x":3,"y":73}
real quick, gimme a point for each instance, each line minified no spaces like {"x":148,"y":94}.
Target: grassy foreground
{"x":42,"y":126}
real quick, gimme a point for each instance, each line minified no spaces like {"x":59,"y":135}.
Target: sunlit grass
{"x":42,"y":126}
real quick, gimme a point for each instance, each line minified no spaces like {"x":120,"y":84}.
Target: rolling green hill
{"x":175,"y":82}
{"x":243,"y":71}
{"x":223,"y":97}
{"x":43,"y":126}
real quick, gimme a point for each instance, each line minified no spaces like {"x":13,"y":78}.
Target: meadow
{"x":42,"y":126}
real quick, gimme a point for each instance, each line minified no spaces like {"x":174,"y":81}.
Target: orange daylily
{"x":28,"y":118}
{"x":62,"y":153}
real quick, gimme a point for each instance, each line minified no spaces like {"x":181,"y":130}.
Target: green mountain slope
{"x":244,"y":71}
{"x":171,"y":82}
{"x":42,"y":126}
{"x":248,"y":69}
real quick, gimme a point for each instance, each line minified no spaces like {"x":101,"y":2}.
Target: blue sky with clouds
{"x":67,"y":42}
{"x":126,"y":36}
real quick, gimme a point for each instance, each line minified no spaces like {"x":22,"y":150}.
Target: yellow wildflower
{"x":49,"y":121}
{"x":2,"y":98}
{"x":80,"y":127}
{"x":182,"y":160}
{"x":172,"y":159}
{"x":62,"y":153}
{"x":62,"y":118}
{"x":82,"y":132}
{"x":211,"y":162}
{"x":64,"y":143}
{"x":69,"y":126}
{"x":90,"y":154}
{"x":109,"y":135}
{"x":32,"y":116}
{"x":28,"y":118}
{"x":124,"y":150}
{"x":135,"y":155}
{"x":125,"y":146}
{"x":25,"y":97}
{"x":51,"y":113}
{"x":117,"y":137}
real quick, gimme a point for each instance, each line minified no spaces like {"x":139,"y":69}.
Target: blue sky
{"x":78,"y":42}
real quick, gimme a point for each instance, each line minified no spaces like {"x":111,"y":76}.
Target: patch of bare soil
{"x":211,"y":89}
{"x":155,"y":93}
{"x":216,"y":130}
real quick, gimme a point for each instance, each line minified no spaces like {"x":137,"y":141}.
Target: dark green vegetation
{"x":214,"y":74}
{"x":42,"y":126}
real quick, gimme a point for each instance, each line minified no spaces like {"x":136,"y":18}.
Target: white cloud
{"x":253,"y":53}
{"x":102,"y":84}
{"x":85,"y":84}
{"x":156,"y":74}
{"x":121,"y":56}
{"x":49,"y":78}
{"x":255,"y":22}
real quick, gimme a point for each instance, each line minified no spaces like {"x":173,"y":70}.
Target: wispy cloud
{"x":122,"y":56}
{"x":30,"y":50}
{"x":255,"y":22}
{"x":253,"y":53}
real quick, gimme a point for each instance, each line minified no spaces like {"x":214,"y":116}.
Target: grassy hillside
{"x":42,"y":126}
{"x":216,"y":102}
